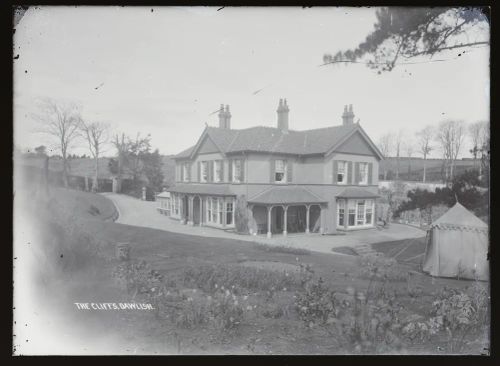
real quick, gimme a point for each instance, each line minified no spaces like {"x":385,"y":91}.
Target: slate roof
{"x":355,"y":192}
{"x":273,"y":140}
{"x":286,"y":195}
{"x":212,"y":189}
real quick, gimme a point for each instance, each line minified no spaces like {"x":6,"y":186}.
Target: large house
{"x":274,"y":180}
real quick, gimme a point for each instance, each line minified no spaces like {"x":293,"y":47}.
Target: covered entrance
{"x":286,"y":210}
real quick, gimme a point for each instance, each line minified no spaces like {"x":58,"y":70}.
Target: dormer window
{"x":280,"y":171}
{"x":363,"y":173}
{"x":342,"y":172}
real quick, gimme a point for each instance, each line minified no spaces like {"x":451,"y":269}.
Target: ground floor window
{"x":165,"y":205}
{"x":175,"y":205}
{"x":229,"y":212}
{"x":341,"y":213}
{"x":359,"y":212}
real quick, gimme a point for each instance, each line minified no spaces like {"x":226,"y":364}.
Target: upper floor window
{"x":237,"y":167}
{"x":363,"y":173}
{"x":218,"y":170}
{"x":185,"y":172}
{"x":280,"y":170}
{"x":204,"y":171}
{"x":342,"y":172}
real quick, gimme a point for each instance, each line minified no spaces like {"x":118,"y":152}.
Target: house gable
{"x":358,"y":143}
{"x":207,"y":146}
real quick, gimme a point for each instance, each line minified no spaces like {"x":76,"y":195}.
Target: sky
{"x":164,"y":70}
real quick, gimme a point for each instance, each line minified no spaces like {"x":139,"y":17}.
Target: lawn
{"x":224,"y":296}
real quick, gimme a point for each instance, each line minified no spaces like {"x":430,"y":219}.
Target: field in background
{"x":434,"y":168}
{"x":83,"y":167}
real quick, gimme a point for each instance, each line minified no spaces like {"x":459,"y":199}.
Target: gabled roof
{"x":273,"y":140}
{"x":286,"y":195}
{"x":355,"y":192}
{"x":458,"y":215}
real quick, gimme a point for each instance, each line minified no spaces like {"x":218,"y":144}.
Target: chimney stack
{"x":283,"y":115}
{"x":228,"y":117}
{"x":224,"y":117}
{"x":348,"y":115}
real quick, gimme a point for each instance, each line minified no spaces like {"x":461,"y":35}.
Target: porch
{"x":286,"y":210}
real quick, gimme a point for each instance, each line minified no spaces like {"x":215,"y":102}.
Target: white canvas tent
{"x":457,"y":246}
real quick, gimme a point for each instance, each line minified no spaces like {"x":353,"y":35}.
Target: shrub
{"x":379,"y":267}
{"x":282,"y":249}
{"x":316,"y":303}
{"x":460,"y":313}
{"x":210,"y":278}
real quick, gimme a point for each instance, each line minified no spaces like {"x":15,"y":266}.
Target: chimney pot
{"x":348,"y":115}
{"x":224,"y":117}
{"x":283,"y":116}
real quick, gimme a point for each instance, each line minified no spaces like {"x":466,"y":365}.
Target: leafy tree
{"x":113,"y":166}
{"x":135,"y":149}
{"x":411,"y":32}
{"x":151,"y":168}
{"x":41,"y":150}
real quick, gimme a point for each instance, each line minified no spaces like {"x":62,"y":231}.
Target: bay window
{"x":360,"y":218}
{"x":229,"y":213}
{"x":214,"y":210}
{"x":351,"y":205}
{"x":360,"y":212}
{"x":341,"y":213}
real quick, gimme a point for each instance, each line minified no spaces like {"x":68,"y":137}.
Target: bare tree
{"x":409,"y":153}
{"x":122,"y":146}
{"x":385,"y":147}
{"x":61,"y":121}
{"x":450,"y":135}
{"x":397,"y":143}
{"x":476,"y":135}
{"x":96,"y":134}
{"x":425,"y":137}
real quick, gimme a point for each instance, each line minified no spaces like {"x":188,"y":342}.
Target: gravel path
{"x":133,"y":211}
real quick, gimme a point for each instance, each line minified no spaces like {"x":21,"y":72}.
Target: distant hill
{"x":434,"y":171}
{"x":85,"y":166}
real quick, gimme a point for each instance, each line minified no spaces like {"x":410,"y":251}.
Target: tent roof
{"x":458,"y":215}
